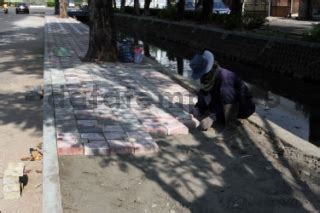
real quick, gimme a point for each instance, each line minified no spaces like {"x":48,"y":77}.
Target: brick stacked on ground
{"x":109,"y":108}
{"x":12,"y":186}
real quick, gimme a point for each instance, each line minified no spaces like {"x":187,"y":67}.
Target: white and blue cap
{"x":201,"y":64}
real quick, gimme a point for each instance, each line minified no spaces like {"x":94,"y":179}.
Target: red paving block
{"x":69,"y":146}
{"x":120,"y":147}
{"x":96,"y":148}
{"x":145,"y":147}
{"x":138,"y":135}
{"x":155,"y":129}
{"x":176,"y":128}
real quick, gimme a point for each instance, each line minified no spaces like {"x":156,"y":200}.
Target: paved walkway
{"x":112,"y":107}
{"x":292,"y":26}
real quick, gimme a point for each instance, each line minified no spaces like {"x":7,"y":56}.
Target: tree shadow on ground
{"x":21,"y":64}
{"x":208,"y":176}
{"x":203,"y":175}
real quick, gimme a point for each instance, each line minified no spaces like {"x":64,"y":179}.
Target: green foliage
{"x":50,"y":3}
{"x":231,"y":22}
{"x":250,"y":21}
{"x":192,"y":15}
{"x":219,"y":18}
{"x":170,"y":13}
{"x":313,"y":34}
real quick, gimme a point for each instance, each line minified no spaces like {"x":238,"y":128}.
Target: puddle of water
{"x":297,"y":117}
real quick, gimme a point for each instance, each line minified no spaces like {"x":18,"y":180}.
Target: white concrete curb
{"x":51,"y":201}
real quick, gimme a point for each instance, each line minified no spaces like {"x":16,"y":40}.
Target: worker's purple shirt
{"x":228,"y":89}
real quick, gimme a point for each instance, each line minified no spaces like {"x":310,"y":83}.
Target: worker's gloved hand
{"x":207,"y":121}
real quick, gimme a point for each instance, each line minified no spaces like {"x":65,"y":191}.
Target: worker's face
{"x":206,"y":77}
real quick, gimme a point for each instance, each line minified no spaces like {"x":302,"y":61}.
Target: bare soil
{"x":196,"y":173}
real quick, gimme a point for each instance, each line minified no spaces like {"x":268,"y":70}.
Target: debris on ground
{"x":35,"y":94}
{"x":35,"y":155}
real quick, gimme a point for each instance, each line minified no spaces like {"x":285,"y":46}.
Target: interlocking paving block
{"x":69,"y":144}
{"x":145,"y":146}
{"x":113,"y":128}
{"x":176,"y":128}
{"x":155,"y":129}
{"x":92,"y":136}
{"x":138,"y":135}
{"x":120,"y":147}
{"x":110,"y":102}
{"x":115,"y":135}
{"x":88,"y":123}
{"x":96,"y":148}
{"x":89,"y":129}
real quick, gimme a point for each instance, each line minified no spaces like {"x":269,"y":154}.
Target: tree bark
{"x":236,"y":7}
{"x":137,"y":7}
{"x":146,"y":50}
{"x":308,"y":9}
{"x":198,"y":4}
{"x":181,"y":5}
{"x":56,"y":7}
{"x":63,"y":9}
{"x":146,"y":9}
{"x":102,"y":38}
{"x":206,"y":12}
{"x":314,"y":133}
{"x":168,"y":3}
{"x":114,"y":3}
{"x":180,"y":65}
{"x":123,"y":5}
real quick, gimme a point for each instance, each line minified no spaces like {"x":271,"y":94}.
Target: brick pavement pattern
{"x":109,"y":108}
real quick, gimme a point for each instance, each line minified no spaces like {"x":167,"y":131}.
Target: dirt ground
{"x":195,"y":173}
{"x":21,"y":68}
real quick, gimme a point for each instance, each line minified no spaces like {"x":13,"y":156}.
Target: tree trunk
{"x":102,"y":39}
{"x":56,"y":7}
{"x":63,"y":9}
{"x":114,"y":3}
{"x":206,"y":10}
{"x":123,"y":5}
{"x":314,"y":133}
{"x":308,"y":9}
{"x":146,"y":9}
{"x":236,"y":7}
{"x":146,"y":50}
{"x":180,"y":65}
{"x":168,"y":3}
{"x":181,"y":5}
{"x":198,"y":4}
{"x":137,"y":7}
